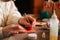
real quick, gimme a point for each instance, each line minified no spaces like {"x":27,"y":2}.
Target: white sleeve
{"x":14,"y":15}
{"x":1,"y":18}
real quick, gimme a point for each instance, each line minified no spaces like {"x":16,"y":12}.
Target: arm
{"x":1,"y":18}
{"x":1,"y":34}
{"x":14,"y":15}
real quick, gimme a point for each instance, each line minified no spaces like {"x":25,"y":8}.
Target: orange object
{"x":31,"y":31}
{"x":28,"y":28}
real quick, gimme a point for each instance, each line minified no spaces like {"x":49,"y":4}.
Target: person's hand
{"x":27,"y":21}
{"x":12,"y":30}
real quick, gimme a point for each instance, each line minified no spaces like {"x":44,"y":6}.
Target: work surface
{"x":39,"y":32}
{"x":21,"y":37}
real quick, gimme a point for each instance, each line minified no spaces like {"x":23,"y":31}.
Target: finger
{"x":31,"y":18}
{"x":28,"y":24}
{"x":24,"y":23}
{"x":11,"y":33}
{"x":22,"y":31}
{"x":17,"y":27}
{"x":34,"y":23}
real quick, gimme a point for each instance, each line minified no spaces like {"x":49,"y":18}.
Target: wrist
{"x":5,"y":32}
{"x":19,"y":21}
{"x":1,"y":33}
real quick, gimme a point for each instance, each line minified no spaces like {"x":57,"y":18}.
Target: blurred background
{"x":37,"y":6}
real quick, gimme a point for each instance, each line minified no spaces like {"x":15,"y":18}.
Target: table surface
{"x":20,"y":37}
{"x":17,"y":37}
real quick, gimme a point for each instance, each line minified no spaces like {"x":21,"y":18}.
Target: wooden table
{"x":17,"y":37}
{"x":58,"y":37}
{"x":20,"y":37}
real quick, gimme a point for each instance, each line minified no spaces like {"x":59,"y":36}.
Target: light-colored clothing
{"x":8,"y":14}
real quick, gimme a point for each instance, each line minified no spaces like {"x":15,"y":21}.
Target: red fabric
{"x":58,"y":5}
{"x":48,"y":5}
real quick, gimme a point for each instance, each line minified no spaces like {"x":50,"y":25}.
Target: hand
{"x":27,"y":21}
{"x":12,"y":30}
